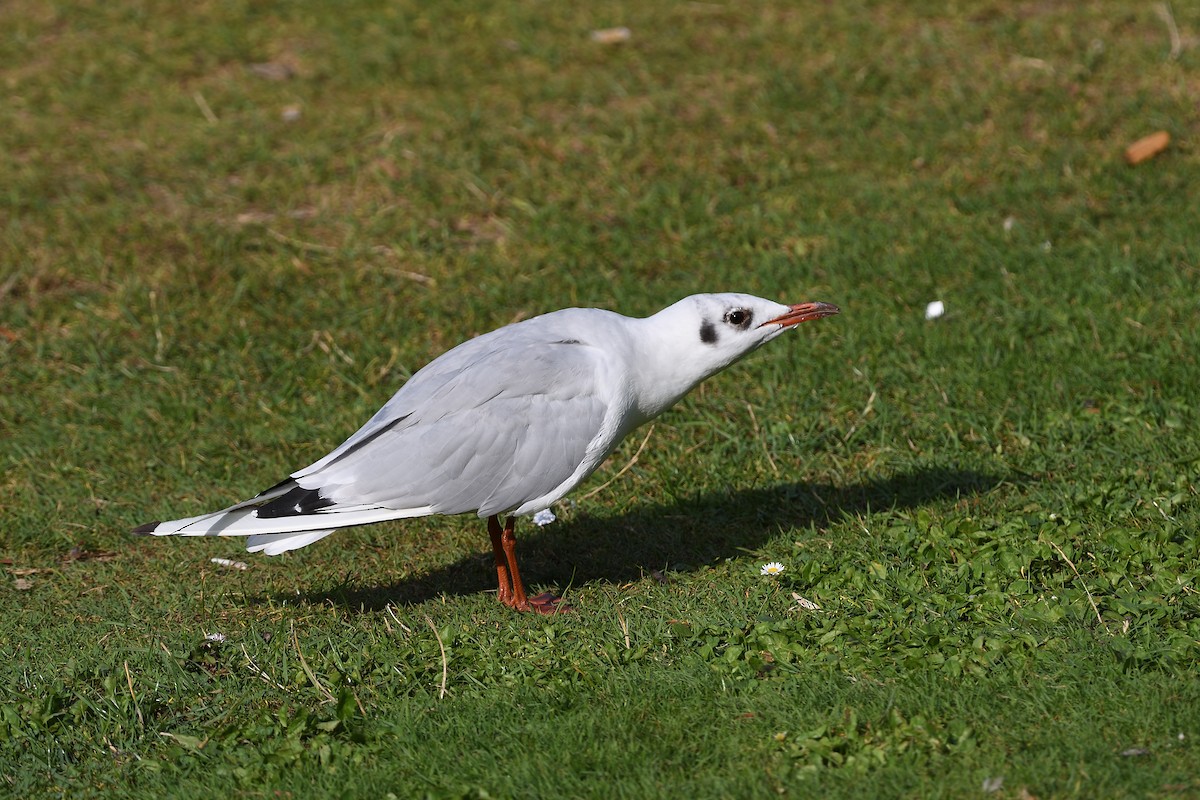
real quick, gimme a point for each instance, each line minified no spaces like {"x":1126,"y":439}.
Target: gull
{"x":506,"y":424}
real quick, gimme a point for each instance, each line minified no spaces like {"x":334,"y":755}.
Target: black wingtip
{"x":147,"y":529}
{"x":297,"y":502}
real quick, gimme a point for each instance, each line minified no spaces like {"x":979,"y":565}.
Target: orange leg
{"x":508,"y":541}
{"x":512,"y":589}
{"x":502,"y":578}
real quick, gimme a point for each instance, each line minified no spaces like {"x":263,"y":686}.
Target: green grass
{"x":996,"y":512}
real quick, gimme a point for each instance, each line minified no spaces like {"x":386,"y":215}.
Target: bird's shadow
{"x":678,"y":536}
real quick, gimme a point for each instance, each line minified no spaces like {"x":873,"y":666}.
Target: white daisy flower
{"x":772,"y":569}
{"x":544,"y":517}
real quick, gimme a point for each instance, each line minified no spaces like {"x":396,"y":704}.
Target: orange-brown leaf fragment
{"x":1147,"y":147}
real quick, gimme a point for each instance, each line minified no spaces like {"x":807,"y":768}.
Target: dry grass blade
{"x":205,"y":109}
{"x":300,"y":243}
{"x":260,"y":672}
{"x":407,"y":630}
{"x":623,"y":469}
{"x":312,"y":677}
{"x":445,"y":663}
{"x":1091,"y":600}
{"x":1168,"y":17}
{"x":758,"y":434}
{"x":136,"y":706}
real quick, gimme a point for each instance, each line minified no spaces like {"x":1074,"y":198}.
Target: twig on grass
{"x":1168,"y":17}
{"x":419,"y":277}
{"x":392,"y":614}
{"x":300,"y":243}
{"x":624,"y":629}
{"x":445,"y":664}
{"x":205,"y":109}
{"x":1071,"y":563}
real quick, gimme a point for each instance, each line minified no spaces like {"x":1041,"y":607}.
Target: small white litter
{"x":611,"y":35}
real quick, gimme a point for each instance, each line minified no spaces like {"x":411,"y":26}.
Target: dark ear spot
{"x":708,"y":332}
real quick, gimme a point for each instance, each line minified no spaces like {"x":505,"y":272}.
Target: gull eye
{"x":738,"y":317}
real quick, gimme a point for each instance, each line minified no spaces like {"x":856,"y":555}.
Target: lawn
{"x":231,"y":232}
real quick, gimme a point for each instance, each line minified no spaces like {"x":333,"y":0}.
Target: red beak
{"x":803,"y":313}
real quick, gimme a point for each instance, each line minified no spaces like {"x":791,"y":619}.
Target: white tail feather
{"x":272,"y":544}
{"x":274,"y":535}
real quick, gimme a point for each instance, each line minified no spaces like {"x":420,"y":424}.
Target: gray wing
{"x":487,"y":427}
